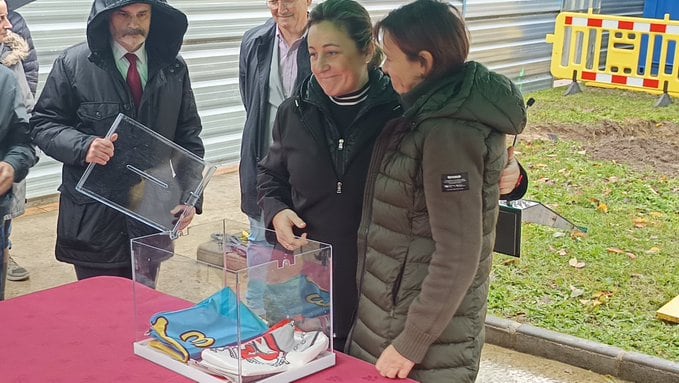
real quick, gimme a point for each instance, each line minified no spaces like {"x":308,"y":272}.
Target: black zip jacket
{"x":320,"y":175}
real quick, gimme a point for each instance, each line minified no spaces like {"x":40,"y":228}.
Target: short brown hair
{"x":429,"y":25}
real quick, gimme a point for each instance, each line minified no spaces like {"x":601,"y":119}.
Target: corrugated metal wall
{"x":633,"y":8}
{"x":507,"y":35}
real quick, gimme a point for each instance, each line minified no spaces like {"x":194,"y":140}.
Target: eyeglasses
{"x":275,"y":4}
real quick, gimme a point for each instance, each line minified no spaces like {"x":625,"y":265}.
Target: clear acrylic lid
{"x":147,"y":177}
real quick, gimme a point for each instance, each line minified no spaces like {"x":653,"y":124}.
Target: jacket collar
{"x":268,"y":30}
{"x":380,"y":90}
{"x":414,"y":99}
{"x":470,"y":93}
{"x":14,"y":50}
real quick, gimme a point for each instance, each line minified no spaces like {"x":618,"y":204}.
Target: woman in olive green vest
{"x":431,"y":201}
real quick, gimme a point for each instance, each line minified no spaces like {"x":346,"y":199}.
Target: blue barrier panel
{"x":657,"y":9}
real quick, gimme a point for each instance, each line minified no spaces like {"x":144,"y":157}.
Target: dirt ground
{"x":643,"y":146}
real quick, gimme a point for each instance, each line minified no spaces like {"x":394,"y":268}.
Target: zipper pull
{"x":340,"y":146}
{"x":339,"y":187}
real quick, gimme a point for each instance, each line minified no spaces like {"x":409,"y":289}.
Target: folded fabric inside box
{"x":213,"y":322}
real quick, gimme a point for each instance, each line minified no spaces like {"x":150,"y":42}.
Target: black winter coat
{"x":82,"y":97}
{"x":307,"y":171}
{"x":256,"y":51}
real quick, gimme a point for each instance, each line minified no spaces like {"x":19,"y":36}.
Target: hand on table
{"x":392,"y":365}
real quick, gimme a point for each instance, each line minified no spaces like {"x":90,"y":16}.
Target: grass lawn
{"x":627,"y":263}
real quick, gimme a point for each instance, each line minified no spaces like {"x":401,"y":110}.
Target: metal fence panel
{"x":514,"y":46}
{"x":634,"y":8}
{"x":502,"y":8}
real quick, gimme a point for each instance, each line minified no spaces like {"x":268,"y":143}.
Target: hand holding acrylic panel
{"x":148,"y":176}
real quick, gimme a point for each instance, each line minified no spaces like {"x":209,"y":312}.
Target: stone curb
{"x":597,"y":357}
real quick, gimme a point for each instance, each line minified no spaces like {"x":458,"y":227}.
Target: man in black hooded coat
{"x":85,"y":91}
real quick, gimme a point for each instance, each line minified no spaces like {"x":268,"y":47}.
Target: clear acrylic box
{"x":197,"y":303}
{"x":147,"y":177}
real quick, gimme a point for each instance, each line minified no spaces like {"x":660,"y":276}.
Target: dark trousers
{"x":146,"y":270}
{"x":84,"y":272}
{"x":100,"y":243}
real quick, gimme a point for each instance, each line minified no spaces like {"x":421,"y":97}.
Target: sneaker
{"x":16,"y":272}
{"x":280,"y":349}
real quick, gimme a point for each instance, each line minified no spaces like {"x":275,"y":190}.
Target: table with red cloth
{"x":84,"y":331}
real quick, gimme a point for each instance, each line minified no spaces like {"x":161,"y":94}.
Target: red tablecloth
{"x":83,"y":332}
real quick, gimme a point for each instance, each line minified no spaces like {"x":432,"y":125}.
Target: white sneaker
{"x":276,"y":351}
{"x":16,"y":272}
{"x":307,"y":346}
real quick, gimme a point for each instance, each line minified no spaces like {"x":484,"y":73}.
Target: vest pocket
{"x":397,"y":285}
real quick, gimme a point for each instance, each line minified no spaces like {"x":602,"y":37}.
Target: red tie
{"x":133,"y":79}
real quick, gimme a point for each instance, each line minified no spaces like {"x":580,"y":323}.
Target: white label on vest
{"x":454,"y":182}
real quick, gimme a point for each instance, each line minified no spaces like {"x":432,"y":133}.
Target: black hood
{"x":168,"y":26}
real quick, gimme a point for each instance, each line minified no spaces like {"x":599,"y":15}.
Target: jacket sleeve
{"x":189,"y":125}
{"x":273,"y":189}
{"x":242,"y":74}
{"x":187,"y":135}
{"x":31,"y":65}
{"x":55,"y":116}
{"x":455,"y":217}
{"x":20,"y":153}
